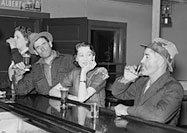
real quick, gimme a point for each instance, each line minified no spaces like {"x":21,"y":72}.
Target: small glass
{"x":2,"y":96}
{"x":26,"y":61}
{"x":94,"y":109}
{"x":138,"y":68}
{"x":64,"y":95}
{"x":63,"y":112}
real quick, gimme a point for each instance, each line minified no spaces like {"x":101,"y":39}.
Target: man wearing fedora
{"x":157,"y":95}
{"x":49,"y":70}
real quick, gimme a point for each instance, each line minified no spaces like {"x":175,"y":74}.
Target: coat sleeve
{"x":70,"y":62}
{"x":123,"y":91}
{"x":16,"y":56}
{"x":165,"y":109}
{"x":25,"y":85}
{"x":68,"y":80}
{"x":98,"y":79}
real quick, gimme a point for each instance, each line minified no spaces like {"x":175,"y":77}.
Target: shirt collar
{"x":54,"y":54}
{"x":162,"y":79}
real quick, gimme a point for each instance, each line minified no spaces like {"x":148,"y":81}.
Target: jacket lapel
{"x":149,"y":93}
{"x":154,"y":88}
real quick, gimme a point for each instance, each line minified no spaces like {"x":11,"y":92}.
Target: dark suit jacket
{"x":161,"y":102}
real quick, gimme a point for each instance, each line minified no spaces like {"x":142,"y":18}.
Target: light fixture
{"x":166,"y":7}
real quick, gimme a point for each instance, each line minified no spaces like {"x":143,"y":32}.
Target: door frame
{"x":119,"y":45}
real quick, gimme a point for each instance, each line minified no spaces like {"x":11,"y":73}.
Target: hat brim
{"x":36,"y":37}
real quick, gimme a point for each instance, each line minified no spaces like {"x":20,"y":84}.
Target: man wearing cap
{"x":51,"y":68}
{"x":157,"y":95}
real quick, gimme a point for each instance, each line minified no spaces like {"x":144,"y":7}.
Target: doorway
{"x":109,"y":40}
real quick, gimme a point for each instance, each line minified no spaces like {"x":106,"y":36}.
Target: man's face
{"x":43,"y":48}
{"x":150,"y":63}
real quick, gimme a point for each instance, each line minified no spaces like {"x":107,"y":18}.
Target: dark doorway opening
{"x":103,"y":42}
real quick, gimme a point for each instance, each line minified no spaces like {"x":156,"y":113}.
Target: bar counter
{"x":46,"y":113}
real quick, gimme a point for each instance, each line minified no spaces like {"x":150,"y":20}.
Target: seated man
{"x":48,"y":71}
{"x":157,"y":95}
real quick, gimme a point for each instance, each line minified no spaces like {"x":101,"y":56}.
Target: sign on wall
{"x":29,"y":5}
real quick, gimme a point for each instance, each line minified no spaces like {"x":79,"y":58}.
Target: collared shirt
{"x":47,"y":67}
{"x":36,"y":80}
{"x":147,"y":86}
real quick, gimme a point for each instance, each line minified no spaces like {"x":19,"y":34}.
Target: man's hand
{"x":19,"y":71}
{"x":55,"y":91}
{"x":120,"y":122}
{"x":19,"y":68}
{"x":130,"y":74}
{"x":121,"y":109}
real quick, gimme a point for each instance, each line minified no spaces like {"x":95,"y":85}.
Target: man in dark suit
{"x":157,"y":95}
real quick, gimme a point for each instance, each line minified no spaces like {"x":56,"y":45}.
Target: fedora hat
{"x":35,"y":36}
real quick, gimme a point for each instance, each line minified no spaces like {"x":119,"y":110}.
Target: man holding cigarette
{"x":157,"y":95}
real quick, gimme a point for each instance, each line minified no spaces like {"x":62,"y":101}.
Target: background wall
{"x":178,"y":34}
{"x":138,"y":19}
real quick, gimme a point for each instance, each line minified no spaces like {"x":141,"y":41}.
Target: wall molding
{"x":23,"y":14}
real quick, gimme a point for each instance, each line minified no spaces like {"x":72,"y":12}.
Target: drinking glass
{"x":26,"y":61}
{"x":2,"y":96}
{"x":94,"y":109}
{"x":63,"y":112}
{"x":138,"y":68}
{"x":64,"y":95}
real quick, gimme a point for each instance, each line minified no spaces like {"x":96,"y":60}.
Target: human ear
{"x":76,"y":58}
{"x":93,"y":58}
{"x":161,"y":59}
{"x":50,"y":44}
